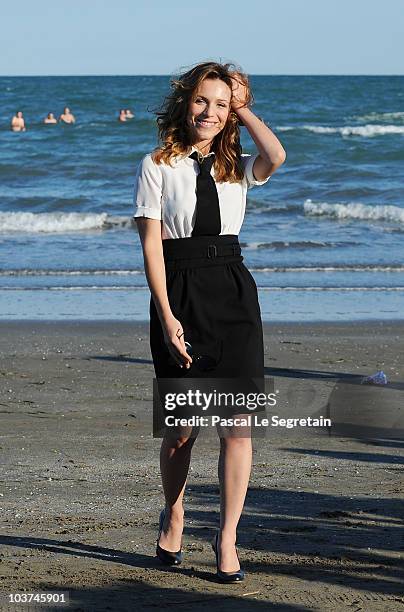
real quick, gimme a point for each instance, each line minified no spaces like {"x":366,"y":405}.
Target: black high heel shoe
{"x":165,"y":556}
{"x":226,"y":576}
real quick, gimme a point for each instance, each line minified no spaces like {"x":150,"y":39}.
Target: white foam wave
{"x":291,"y":288}
{"x":367,"y":130}
{"x":340,"y":268}
{"x":299,"y":244}
{"x":381,"y":116}
{"x":146,"y":288}
{"x":279,"y":269}
{"x":78,"y":288}
{"x":58,"y":222}
{"x":355,"y":211}
{"x":27,"y":272}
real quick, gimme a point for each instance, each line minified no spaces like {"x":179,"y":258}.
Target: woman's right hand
{"x":174,"y":339}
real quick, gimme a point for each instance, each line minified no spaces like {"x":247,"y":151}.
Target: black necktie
{"x":207,"y":222}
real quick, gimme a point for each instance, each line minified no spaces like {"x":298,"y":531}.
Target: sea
{"x":324,"y":238}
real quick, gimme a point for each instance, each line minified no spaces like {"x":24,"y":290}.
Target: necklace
{"x":200,"y":155}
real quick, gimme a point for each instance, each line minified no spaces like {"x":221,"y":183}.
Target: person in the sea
{"x":67,"y":116}
{"x":122,"y":115}
{"x":129,"y":114}
{"x":50,"y":118}
{"x":18,"y":122}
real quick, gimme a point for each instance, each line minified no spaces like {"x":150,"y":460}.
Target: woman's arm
{"x":271,"y":153}
{"x":150,"y":237}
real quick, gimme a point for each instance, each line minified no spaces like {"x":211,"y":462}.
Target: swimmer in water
{"x":50,"y":118}
{"x":122,"y":115}
{"x":18,"y":122}
{"x":129,"y":114}
{"x":67,"y":116}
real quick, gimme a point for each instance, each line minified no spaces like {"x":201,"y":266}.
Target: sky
{"x":291,"y":37}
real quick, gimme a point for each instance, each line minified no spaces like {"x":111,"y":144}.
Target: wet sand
{"x":80,"y":488}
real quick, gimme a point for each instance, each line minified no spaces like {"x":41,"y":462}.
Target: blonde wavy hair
{"x":173,"y":131}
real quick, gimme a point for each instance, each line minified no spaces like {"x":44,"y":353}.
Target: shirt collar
{"x":196,"y":149}
{"x":185,"y":157}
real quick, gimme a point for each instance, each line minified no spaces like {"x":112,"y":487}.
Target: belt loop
{"x":212,"y":249}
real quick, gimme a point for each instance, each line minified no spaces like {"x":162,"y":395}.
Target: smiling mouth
{"x":205,"y":123}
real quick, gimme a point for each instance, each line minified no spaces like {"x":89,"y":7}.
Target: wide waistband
{"x":201,"y":251}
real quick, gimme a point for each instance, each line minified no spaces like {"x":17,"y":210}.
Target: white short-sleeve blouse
{"x":168,"y":193}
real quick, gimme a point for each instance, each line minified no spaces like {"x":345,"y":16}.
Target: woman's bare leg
{"x":234,"y":470}
{"x":175,"y":456}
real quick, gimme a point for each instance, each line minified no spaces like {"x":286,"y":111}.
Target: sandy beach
{"x":81,"y":491}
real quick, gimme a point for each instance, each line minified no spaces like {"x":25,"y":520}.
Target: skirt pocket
{"x":206,"y":351}
{"x":249,"y":277}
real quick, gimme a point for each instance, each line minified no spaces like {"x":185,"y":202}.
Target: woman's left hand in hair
{"x":239,"y":92}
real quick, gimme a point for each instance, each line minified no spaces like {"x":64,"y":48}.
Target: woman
{"x":189,"y":214}
{"x":67,"y":116}
{"x":50,"y":119}
{"x":18,"y":122}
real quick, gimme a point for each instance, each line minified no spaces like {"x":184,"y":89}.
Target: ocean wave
{"x":365,"y":288}
{"x":23,"y":272}
{"x":78,"y":288}
{"x":336,"y":268}
{"x":146,"y":288}
{"x":28,"y":272}
{"x":11,"y":172}
{"x":298,"y":244}
{"x":367,"y":130}
{"x":355,"y":211}
{"x":374,"y":116}
{"x":257,"y":207}
{"x":59,"y":222}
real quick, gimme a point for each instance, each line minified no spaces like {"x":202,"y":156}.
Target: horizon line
{"x":171,"y":74}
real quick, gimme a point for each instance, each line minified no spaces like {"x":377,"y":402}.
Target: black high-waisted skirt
{"x":215,"y":298}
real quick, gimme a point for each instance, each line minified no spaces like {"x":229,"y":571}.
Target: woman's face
{"x":208,"y":110}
